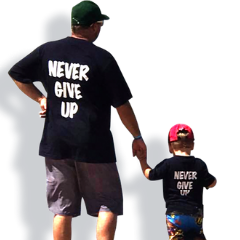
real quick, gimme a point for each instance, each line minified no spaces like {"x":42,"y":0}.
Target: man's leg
{"x":102,"y":192}
{"x":63,"y":196}
{"x":62,"y":227}
{"x":106,"y":225}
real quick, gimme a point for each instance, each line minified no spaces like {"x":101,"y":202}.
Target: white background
{"x":181,"y":61}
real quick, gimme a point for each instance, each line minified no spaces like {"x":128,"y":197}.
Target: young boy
{"x":184,"y":177}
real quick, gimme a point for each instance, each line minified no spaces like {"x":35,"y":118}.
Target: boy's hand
{"x":143,"y":162}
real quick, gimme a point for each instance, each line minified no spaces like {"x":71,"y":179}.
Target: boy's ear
{"x":170,"y":147}
{"x":192,"y":146}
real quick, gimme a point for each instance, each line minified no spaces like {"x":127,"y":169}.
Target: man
{"x":82,"y":82}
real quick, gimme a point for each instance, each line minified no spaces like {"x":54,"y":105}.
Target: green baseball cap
{"x":85,"y":13}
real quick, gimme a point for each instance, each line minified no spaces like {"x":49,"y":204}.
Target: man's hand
{"x":139,"y":148}
{"x":43,"y":105}
{"x":31,"y":91}
{"x":141,"y":156}
{"x":143,"y":162}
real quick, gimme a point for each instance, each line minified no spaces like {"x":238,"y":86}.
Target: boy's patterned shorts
{"x":184,"y":227}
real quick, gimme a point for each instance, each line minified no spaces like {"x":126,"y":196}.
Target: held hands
{"x":43,"y":105}
{"x":141,"y":156}
{"x":139,"y":149}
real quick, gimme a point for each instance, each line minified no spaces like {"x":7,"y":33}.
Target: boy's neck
{"x":182,"y":153}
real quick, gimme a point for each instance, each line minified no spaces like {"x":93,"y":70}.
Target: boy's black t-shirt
{"x":82,"y":82}
{"x":183,"y":180}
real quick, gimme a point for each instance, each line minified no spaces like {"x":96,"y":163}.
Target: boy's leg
{"x":62,"y":227}
{"x":184,"y":227}
{"x":174,"y":232}
{"x":199,"y":238}
{"x":106,"y":225}
{"x":198,"y":225}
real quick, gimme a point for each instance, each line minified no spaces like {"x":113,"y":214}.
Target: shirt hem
{"x":71,"y":158}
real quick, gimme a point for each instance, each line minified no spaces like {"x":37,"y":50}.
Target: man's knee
{"x":106,"y":225}
{"x":62,"y":218}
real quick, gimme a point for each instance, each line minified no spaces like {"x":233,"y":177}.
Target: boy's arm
{"x":209,"y":181}
{"x":143,"y":162}
{"x":213,"y":184}
{"x":145,"y":169}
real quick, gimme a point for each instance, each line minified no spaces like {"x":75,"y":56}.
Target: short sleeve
{"x":159,"y":172}
{"x":116,"y":86}
{"x":28,"y":69}
{"x":207,"y":178}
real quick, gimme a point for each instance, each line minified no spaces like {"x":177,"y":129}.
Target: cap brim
{"x":104,"y":17}
{"x":99,"y":18}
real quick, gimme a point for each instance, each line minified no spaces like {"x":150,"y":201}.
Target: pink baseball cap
{"x":172,"y":136}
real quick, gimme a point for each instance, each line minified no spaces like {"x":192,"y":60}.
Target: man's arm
{"x":129,"y":120}
{"x":31,"y":91}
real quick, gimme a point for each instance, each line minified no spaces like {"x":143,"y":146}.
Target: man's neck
{"x":79,"y":37}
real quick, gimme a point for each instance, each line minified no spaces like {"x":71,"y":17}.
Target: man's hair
{"x":76,"y":29}
{"x":183,"y":141}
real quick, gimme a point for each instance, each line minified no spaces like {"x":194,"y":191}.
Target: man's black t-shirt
{"x":82,"y":82}
{"x":183,"y":180}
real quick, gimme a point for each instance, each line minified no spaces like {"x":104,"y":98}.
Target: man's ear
{"x":94,"y":26}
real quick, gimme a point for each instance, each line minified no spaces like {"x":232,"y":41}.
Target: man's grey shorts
{"x":69,"y":181}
